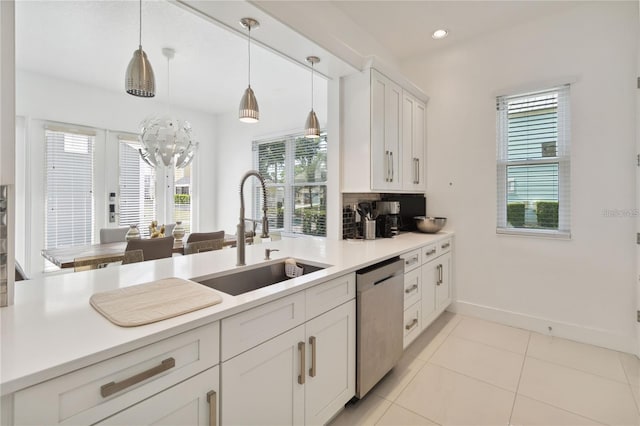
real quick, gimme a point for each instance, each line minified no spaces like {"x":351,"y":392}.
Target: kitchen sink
{"x":248,"y":280}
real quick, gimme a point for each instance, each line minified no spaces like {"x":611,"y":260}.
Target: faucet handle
{"x":267,"y":253}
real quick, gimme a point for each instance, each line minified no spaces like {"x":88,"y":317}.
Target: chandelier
{"x":165,"y":139}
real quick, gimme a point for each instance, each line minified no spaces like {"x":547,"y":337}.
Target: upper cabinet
{"x":383,"y":140}
{"x":413,"y":143}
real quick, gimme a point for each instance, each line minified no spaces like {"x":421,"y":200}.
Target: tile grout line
{"x":385,"y":411}
{"x":425,"y":362}
{"x":564,"y":409}
{"x":492,"y":346}
{"x":633,"y":395}
{"x":417,"y":414}
{"x":470,"y":377}
{"x":582,"y":371}
{"x":515,"y":396}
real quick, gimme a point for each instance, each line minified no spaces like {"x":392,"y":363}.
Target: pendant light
{"x":249,"y":111}
{"x":312,"y":126}
{"x":139,"y":80}
{"x":165,"y":138}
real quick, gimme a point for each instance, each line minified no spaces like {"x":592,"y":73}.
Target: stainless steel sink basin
{"x":247,"y":280}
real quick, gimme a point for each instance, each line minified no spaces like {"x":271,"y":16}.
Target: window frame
{"x":506,"y":185}
{"x":289,"y":184}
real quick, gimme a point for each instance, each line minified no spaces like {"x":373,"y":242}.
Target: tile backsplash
{"x":350,"y":219}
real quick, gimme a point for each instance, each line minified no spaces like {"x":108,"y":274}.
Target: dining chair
{"x":205,"y":236}
{"x":152,"y":248}
{"x":133,"y":256}
{"x":113,"y":235}
{"x":202,"y":246}
{"x":168,"y":229}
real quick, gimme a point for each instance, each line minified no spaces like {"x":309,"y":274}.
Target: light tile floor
{"x":466,"y":371}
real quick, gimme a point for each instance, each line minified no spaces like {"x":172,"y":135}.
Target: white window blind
{"x":137,"y":198}
{"x":182,"y":197}
{"x":533,"y":163}
{"x":295,"y":170}
{"x":69,"y":186}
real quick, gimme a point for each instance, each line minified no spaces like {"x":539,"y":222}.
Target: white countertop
{"x":52,"y":330}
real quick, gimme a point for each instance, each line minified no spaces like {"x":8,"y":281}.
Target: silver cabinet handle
{"x":303,"y":373}
{"x":411,"y":260}
{"x":412,"y":288}
{"x":312,"y":370}
{"x":114,"y":387}
{"x":393,"y":172}
{"x":386,"y":166}
{"x":445,"y":245}
{"x":417,"y":170}
{"x":211,"y":399}
{"x":411,"y":324}
{"x":430,"y":252}
{"x":439,"y":275}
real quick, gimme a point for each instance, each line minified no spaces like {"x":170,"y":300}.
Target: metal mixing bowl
{"x":430,"y":225}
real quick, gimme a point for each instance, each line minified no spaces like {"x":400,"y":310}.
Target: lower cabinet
{"x":436,"y":287}
{"x":303,"y":376}
{"x":192,"y":402}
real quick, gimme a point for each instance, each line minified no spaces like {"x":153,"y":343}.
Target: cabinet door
{"x":187,"y":403}
{"x":331,"y":358}
{"x":413,"y":128}
{"x":386,"y":110}
{"x":261,"y":386}
{"x":443,"y":289}
{"x":430,"y":277}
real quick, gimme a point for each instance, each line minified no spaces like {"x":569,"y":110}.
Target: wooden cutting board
{"x":153,"y":301}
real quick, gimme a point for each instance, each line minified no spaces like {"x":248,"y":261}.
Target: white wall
{"x":235,"y":156}
{"x":583,"y":288}
{"x":41,"y":98}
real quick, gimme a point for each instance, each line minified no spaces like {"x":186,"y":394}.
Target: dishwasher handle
{"x":379,"y":273}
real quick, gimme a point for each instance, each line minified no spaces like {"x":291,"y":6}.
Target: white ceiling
{"x":91,"y":42}
{"x":405,"y":27}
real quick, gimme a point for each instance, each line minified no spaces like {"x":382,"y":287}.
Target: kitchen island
{"x":52,"y":330}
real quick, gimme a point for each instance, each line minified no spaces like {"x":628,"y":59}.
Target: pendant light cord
{"x":168,"y":87}
{"x":249,"y":51}
{"x":140,"y":35}
{"x":311,"y":86}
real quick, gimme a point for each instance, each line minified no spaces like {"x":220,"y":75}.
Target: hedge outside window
{"x":295,"y":172}
{"x":533,"y":163}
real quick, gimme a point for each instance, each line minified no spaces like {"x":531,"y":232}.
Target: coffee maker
{"x":388,"y":220}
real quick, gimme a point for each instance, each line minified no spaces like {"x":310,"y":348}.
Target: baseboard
{"x":578,"y":333}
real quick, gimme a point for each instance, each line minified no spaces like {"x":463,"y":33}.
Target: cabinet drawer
{"x":250,"y":328}
{"x":429,"y":252}
{"x":412,"y":324}
{"x":444,"y":246}
{"x":187,"y":403}
{"x":77,"y":397}
{"x":412,"y":287}
{"x":412,"y":259}
{"x":328,"y":295}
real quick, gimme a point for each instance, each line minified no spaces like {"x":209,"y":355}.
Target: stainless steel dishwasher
{"x":379,"y":319}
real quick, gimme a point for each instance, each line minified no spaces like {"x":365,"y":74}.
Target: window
{"x":69,"y":184}
{"x":137,"y":187}
{"x":295,"y":171}
{"x":533,"y":163}
{"x":182,"y":197}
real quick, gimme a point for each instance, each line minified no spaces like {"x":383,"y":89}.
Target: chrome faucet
{"x":241,"y":225}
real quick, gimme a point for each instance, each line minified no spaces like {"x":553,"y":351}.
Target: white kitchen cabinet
{"x":193,"y":402}
{"x":261,"y":386}
{"x":373,"y":116}
{"x":413,"y":143}
{"x":436,"y":287}
{"x":331,"y":376}
{"x":303,"y":376}
{"x":93,"y":393}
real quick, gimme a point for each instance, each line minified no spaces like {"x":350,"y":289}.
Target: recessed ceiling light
{"x":438,"y":34}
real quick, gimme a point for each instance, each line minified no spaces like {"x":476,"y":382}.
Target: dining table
{"x":97,"y":254}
